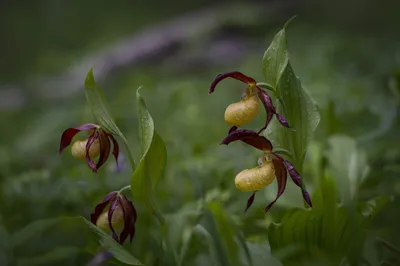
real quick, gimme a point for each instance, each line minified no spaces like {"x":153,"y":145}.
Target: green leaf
{"x":98,"y":105}
{"x":328,"y":231}
{"x":73,"y":225}
{"x":152,"y":164}
{"x":348,"y":164}
{"x":275,"y":60}
{"x":261,"y":255}
{"x":108,"y":243}
{"x":208,"y":241}
{"x":31,"y":231}
{"x":246,"y":249}
{"x":56,"y":255}
{"x":224,"y":231}
{"x":294,"y":103}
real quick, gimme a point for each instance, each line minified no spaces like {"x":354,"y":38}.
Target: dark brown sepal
{"x":69,"y":133}
{"x":249,"y":137}
{"x":250,"y":201}
{"x":235,"y":75}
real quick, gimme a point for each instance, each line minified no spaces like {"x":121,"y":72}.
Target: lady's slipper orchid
{"x":97,"y":144}
{"x":120,"y":215}
{"x":243,"y":112}
{"x":270,"y":166}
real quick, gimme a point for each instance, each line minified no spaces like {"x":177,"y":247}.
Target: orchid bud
{"x":243,"y":112}
{"x":97,"y":145}
{"x":78,"y":149}
{"x":117,"y":220}
{"x":255,"y":178}
{"x":120,"y":216}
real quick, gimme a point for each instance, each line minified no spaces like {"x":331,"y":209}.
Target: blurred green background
{"x":347,"y":54}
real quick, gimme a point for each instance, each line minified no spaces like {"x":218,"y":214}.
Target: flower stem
{"x":130,"y":156}
{"x":124,"y":188}
{"x":266,"y":86}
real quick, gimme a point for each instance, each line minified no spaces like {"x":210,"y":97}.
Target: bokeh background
{"x":347,"y":54}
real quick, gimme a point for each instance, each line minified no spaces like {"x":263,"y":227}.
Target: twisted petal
{"x":129,"y":219}
{"x":69,"y":133}
{"x":249,"y":137}
{"x":100,"y":207}
{"x":104,"y":149}
{"x":113,"y":206}
{"x":235,"y":75}
{"x":295,"y":176}
{"x":283,"y":121}
{"x":250,"y":201}
{"x":89,"y":160}
{"x":269,"y":107}
{"x":115,"y":149}
{"x":280,"y":173}
{"x":270,"y":110}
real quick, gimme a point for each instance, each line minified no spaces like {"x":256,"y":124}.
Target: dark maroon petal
{"x":270,"y":110}
{"x":134,"y":213}
{"x":280,"y":172}
{"x":113,"y":206}
{"x":293,"y":173}
{"x":295,"y":176}
{"x":232,"y":129}
{"x":105,"y":148}
{"x":306,"y":197}
{"x":268,"y":106}
{"x":115,"y":149}
{"x":68,"y":134}
{"x":100,"y":207}
{"x":132,"y":232}
{"x":250,"y":201}
{"x":129,"y":219}
{"x":249,"y":137}
{"x":235,"y":75}
{"x":283,"y":121}
{"x":89,"y":143}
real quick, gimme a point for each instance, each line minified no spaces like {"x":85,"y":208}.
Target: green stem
{"x":124,"y":188}
{"x":283,"y":152}
{"x":266,"y":86}
{"x":130,"y":156}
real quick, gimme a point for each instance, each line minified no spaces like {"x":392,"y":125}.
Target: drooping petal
{"x":113,"y":206}
{"x":89,"y":143}
{"x":281,"y":178}
{"x":268,"y":106}
{"x":129,"y":219}
{"x":306,"y":197}
{"x":100,"y":207}
{"x":235,"y":75}
{"x":270,"y":110}
{"x":105,"y":147}
{"x":283,"y":121}
{"x":69,"y":133}
{"x":115,"y":149}
{"x":249,"y":137}
{"x":295,"y":176}
{"x":250,"y":201}
{"x":132,"y":232}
